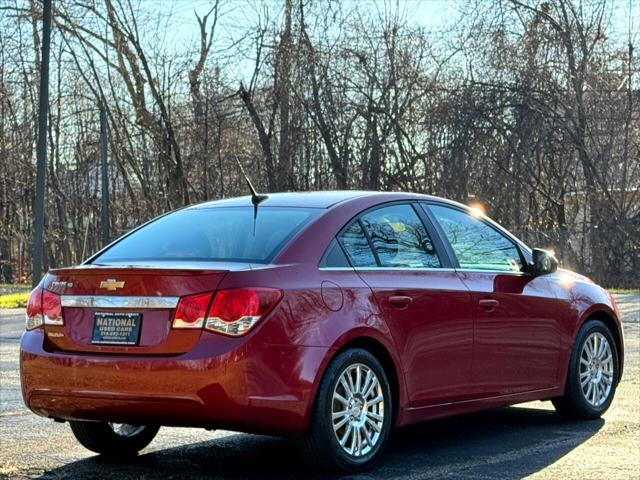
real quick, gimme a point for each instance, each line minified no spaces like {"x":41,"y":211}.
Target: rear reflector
{"x":234,"y":312}
{"x":43,"y":308}
{"x":191,"y":311}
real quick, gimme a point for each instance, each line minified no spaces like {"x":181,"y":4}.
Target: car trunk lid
{"x":139,"y":300}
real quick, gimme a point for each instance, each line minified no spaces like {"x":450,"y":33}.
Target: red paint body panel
{"x":448,"y":353}
{"x":517,"y":341}
{"x":221,"y":383}
{"x":156,"y":335}
{"x":579,"y":299}
{"x":434,"y":333}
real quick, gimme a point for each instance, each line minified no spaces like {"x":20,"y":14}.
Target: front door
{"x":517,"y":333}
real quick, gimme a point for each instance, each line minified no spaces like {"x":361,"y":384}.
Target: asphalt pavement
{"x":527,"y":441}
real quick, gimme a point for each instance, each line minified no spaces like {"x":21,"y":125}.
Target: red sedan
{"x":331,"y":316}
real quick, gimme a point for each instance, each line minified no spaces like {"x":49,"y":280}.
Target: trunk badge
{"x":111,"y":284}
{"x":58,"y":285}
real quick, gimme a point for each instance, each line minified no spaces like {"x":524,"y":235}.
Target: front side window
{"x":214,"y":234}
{"x":477,"y":245}
{"x":399,"y":238}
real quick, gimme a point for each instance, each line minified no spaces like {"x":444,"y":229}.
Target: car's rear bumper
{"x":245,"y":386}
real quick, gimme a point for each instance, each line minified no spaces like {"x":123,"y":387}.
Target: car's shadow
{"x":508,"y":443}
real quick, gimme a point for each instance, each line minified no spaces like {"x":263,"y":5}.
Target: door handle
{"x":488,"y":303}
{"x":400,"y":301}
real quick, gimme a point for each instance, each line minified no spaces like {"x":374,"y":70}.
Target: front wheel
{"x":593,"y":374}
{"x":352,"y":415}
{"x":116,"y":440}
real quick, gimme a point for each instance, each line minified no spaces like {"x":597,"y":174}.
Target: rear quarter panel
{"x":321,"y":310}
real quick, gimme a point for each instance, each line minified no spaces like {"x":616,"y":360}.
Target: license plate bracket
{"x":116,"y":328}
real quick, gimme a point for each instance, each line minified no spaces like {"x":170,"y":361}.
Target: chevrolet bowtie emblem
{"x":111,"y":284}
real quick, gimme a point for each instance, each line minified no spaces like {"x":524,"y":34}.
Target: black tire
{"x":99,"y":437}
{"x":573,"y":404}
{"x":320,"y":447}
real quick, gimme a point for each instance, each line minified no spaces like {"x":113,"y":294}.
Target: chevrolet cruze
{"x":330,"y":316}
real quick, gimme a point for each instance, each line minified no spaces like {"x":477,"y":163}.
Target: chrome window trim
{"x":383,"y":269}
{"x":502,"y":272}
{"x":405,"y":269}
{"x":336,"y":269}
{"x":418,"y":269}
{"x":96,"y":301}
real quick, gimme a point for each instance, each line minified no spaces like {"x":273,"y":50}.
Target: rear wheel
{"x":117,"y":440}
{"x":593,"y":373}
{"x":352,"y":414}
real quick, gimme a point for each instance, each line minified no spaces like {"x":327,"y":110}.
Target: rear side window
{"x":391,"y":237}
{"x":355,"y":243}
{"x":334,"y":257}
{"x":399,"y":238}
{"x":477,"y":245}
{"x":214,"y":234}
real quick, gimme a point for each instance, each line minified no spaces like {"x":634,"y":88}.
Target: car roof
{"x":320,"y":199}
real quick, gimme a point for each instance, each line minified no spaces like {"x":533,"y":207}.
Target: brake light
{"x":52,"y":308}
{"x":33,"y":315}
{"x":43,"y":308}
{"x":191,"y":311}
{"x":234,"y":312}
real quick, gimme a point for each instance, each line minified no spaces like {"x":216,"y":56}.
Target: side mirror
{"x":544,"y":262}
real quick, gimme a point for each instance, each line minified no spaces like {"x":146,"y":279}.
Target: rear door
{"x":425,"y":304}
{"x":517,"y":334}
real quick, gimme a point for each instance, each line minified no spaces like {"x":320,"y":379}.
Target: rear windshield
{"x":222,"y":233}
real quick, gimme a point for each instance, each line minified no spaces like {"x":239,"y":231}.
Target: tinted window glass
{"x":399,"y":238}
{"x":357,"y":247}
{"x":334,"y":256}
{"x":224,"y":234}
{"x":476,"y":244}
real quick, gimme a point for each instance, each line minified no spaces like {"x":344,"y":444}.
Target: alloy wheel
{"x":358,"y":409}
{"x":125,"y":429}
{"x":596,"y":369}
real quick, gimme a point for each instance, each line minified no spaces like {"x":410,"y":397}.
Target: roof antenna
{"x":256,"y":198}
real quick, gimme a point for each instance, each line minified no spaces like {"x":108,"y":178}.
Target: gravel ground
{"x":527,"y":441}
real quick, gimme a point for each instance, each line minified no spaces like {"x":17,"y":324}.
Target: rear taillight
{"x":191,"y":311}
{"x":234,"y":312}
{"x":33,"y":316}
{"x":52,"y":308}
{"x":43,"y":308}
